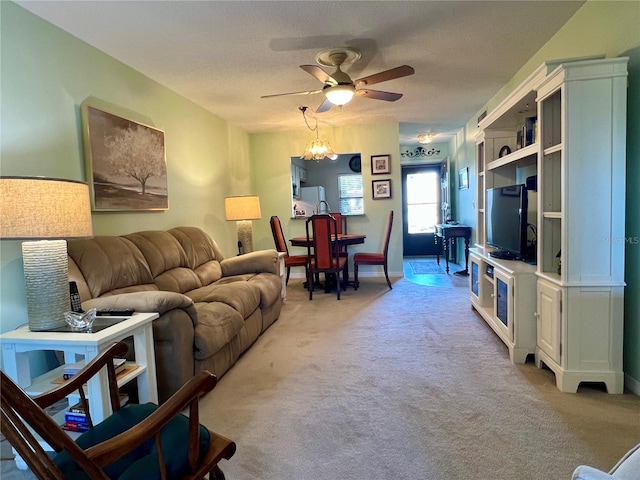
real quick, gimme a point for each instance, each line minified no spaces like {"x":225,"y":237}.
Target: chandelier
{"x":425,"y":138}
{"x":316,"y":149}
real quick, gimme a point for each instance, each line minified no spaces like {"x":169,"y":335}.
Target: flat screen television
{"x":507,"y":222}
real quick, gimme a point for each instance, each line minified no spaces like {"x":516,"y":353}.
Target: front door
{"x":421,"y":207}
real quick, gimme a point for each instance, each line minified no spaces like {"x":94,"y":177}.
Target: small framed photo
{"x":380,"y":164}
{"x":463,"y":179}
{"x":381,"y":189}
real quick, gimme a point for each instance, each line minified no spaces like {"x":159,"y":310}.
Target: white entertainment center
{"x":562,"y":133}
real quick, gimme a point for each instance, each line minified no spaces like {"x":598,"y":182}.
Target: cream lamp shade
{"x":47,"y":210}
{"x":243,"y":209}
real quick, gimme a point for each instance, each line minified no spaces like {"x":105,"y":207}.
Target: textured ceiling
{"x":225,"y":55}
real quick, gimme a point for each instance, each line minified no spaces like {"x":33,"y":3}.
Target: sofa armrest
{"x":262,"y":261}
{"x":148,"y":301}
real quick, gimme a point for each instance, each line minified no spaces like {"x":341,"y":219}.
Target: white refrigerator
{"x":309,"y":199}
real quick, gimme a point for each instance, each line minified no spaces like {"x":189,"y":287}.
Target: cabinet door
{"x":503,"y":304}
{"x":549,"y":319}
{"x":475,"y":279}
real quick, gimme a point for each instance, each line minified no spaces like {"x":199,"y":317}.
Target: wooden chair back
{"x":22,"y":415}
{"x":321,"y":237}
{"x":278,"y":235}
{"x":387,"y":235}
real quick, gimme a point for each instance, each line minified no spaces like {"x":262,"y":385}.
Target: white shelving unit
{"x":580,"y":288}
{"x":501,"y":292}
{"x":506,"y":300}
{"x":578,"y":158}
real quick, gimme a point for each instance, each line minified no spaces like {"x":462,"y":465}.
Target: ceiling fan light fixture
{"x":340,"y":94}
{"x":425,"y":138}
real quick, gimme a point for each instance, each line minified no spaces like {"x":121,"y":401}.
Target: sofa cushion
{"x":203,"y":254}
{"x":167,"y":261}
{"x":218,"y":323}
{"x":111,"y":265}
{"x":270,"y":286}
{"x":242,"y":296}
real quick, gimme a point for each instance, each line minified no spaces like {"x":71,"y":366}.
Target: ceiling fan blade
{"x":398,"y":72}
{"x":378,"y":95}
{"x":312,"y":92}
{"x":324,"y":106}
{"x":319,"y":73}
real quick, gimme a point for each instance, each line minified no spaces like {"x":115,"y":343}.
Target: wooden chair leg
{"x":386,"y":274}
{"x":310,"y":285}
{"x":286,"y":282}
{"x":216,"y":474}
{"x":355,"y":276}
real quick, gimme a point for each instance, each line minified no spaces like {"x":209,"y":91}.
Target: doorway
{"x":421,"y":207}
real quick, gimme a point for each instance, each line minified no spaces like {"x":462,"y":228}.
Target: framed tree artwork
{"x":125,"y":162}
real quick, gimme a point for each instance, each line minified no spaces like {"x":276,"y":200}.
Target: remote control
{"x":76,"y":305}
{"x":115,"y":312}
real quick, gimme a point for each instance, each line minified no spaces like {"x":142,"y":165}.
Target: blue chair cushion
{"x":142,"y":462}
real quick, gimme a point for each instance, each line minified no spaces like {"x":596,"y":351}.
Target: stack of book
{"x":75,"y":419}
{"x":71,"y":369}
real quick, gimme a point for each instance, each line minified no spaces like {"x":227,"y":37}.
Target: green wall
{"x":609,"y":28}
{"x":271,"y":165}
{"x":45,"y":75}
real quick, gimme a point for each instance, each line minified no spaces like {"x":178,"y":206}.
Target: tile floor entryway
{"x":426,"y":271}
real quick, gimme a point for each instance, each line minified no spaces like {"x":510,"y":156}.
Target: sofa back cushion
{"x":111,"y":265}
{"x":203,"y":254}
{"x":167,"y":261}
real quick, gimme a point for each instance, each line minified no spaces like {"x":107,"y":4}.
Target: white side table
{"x":17,"y":344}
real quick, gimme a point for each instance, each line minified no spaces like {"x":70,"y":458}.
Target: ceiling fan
{"x":338,"y":87}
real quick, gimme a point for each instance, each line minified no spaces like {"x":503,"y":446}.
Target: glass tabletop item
{"x":80,"y":321}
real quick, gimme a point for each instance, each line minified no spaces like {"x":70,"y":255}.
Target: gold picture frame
{"x":125,"y":162}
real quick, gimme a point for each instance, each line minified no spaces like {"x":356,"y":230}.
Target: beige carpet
{"x":403,"y":384}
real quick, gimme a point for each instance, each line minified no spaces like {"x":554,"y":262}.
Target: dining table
{"x":342,"y":240}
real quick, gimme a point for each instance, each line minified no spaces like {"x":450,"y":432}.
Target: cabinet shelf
{"x":528,"y":151}
{"x":553,"y":149}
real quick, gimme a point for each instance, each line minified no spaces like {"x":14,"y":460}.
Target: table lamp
{"x":243,"y":209}
{"x":45,"y":211}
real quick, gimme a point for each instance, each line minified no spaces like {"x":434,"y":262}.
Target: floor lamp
{"x":45,"y":211}
{"x":243,"y":209}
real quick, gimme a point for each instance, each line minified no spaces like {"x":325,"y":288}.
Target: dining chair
{"x":136,"y":441}
{"x":363,"y":258}
{"x":324,"y":251}
{"x":341,"y":227}
{"x":281,"y":246}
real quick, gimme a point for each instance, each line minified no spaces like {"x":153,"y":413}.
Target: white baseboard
{"x":632,"y":384}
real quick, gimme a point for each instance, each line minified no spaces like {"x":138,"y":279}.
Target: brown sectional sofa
{"x":211,"y":309}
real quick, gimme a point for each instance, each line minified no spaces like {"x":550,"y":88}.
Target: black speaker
{"x":532,"y":183}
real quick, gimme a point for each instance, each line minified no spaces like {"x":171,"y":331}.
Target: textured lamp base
{"x":245,"y":235}
{"x":46,"y":283}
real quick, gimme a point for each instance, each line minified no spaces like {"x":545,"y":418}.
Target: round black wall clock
{"x":355,"y":164}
